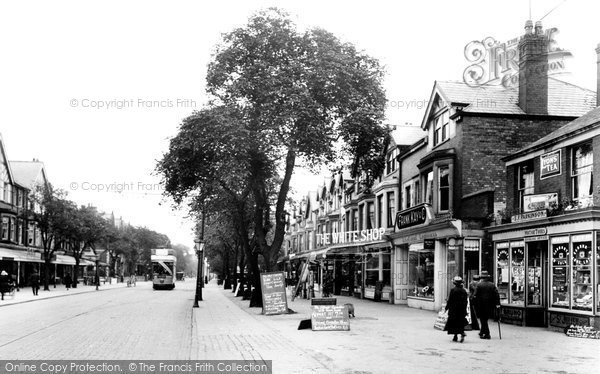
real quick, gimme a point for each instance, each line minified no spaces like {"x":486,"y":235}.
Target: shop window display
{"x":560,"y":272}
{"x":421,"y":273}
{"x":372,"y":270}
{"x":502,"y":271}
{"x":517,"y":273}
{"x":582,"y":273}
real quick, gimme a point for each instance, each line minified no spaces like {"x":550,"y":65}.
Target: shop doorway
{"x":535,"y":283}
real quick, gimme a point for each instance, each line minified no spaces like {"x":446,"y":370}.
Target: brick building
{"x":459,"y":180}
{"x":546,"y":256}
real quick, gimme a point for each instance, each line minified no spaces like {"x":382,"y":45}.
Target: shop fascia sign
{"x":538,"y":214}
{"x":417,"y":215}
{"x":350,"y":236}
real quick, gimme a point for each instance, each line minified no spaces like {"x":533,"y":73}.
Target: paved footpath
{"x":25,"y":294}
{"x":139,"y":323}
{"x":386,"y":338}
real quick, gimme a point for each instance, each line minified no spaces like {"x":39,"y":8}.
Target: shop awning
{"x":19,"y":255}
{"x":70,"y":260}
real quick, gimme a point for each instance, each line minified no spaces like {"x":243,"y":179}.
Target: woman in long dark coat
{"x":457,"y":310}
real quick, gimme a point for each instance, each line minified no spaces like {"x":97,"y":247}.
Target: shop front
{"x":360,"y":263}
{"x":428,"y":252}
{"x":548,"y":270}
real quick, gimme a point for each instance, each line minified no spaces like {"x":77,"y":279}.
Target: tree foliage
{"x":280,"y":96}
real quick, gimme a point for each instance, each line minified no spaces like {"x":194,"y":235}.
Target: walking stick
{"x":499,"y":331}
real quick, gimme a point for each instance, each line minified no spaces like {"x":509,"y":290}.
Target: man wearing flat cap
{"x":487,"y":301}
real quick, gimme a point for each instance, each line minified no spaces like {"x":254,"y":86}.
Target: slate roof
{"x":564,"y":99}
{"x":587,"y":120}
{"x":27,"y":173}
{"x":408,"y":135}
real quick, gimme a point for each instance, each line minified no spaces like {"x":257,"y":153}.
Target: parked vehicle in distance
{"x":164,"y":264}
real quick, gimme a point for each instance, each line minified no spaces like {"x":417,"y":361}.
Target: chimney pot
{"x":528,"y":26}
{"x":538,"y":28}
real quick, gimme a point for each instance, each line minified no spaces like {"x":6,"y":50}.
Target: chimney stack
{"x":533,"y":70}
{"x":598,"y":75}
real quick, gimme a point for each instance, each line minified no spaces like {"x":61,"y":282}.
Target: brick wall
{"x":559,"y":183}
{"x":486,"y":141}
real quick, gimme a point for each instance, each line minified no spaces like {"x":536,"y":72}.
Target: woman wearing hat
{"x":457,"y":310}
{"x":4,"y":282}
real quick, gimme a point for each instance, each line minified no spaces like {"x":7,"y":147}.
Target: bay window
{"x":444,"y":188}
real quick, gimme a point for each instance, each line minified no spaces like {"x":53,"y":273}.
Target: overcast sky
{"x":60,"y":59}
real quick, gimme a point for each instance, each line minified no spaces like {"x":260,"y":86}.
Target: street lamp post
{"x":199,"y":277}
{"x":200,"y":253}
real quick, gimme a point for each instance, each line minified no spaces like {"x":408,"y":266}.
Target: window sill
{"x":420,"y":298}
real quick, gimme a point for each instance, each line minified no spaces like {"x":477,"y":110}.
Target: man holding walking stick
{"x":487,"y":303}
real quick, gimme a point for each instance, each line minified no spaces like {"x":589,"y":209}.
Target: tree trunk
{"x":256,"y":297}
{"x":46,"y":274}
{"x":76,"y":271}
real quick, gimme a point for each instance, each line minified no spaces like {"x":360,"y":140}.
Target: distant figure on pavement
{"x":4,"y":283}
{"x":487,"y":303}
{"x":457,"y":310}
{"x":34,"y":280}
{"x":327,"y":285}
{"x":472,"y":286}
{"x":68,"y":280}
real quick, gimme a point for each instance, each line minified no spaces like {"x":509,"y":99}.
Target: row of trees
{"x":279,"y":97}
{"x":76,"y":230}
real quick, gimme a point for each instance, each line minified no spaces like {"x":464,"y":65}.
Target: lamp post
{"x":96,"y":259}
{"x":199,"y":277}
{"x":200,"y":253}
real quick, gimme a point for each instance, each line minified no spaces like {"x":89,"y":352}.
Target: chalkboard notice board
{"x":588,"y":332}
{"x":330,"y":318}
{"x":273,"y":293}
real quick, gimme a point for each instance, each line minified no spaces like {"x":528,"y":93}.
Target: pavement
{"x":25,"y":294}
{"x":139,"y":323}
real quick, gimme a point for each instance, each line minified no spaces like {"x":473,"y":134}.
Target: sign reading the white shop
{"x":529,"y":216}
{"x":350,"y":236}
{"x":550,"y":164}
{"x":412,"y":216}
{"x":538,"y":202}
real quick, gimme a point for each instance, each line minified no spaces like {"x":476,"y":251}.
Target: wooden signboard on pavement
{"x":273,"y":293}
{"x":330,"y":318}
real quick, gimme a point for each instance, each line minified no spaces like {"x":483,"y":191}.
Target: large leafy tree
{"x":53,"y":215}
{"x":280,"y":96}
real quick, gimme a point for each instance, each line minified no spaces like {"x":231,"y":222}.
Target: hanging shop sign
{"x":550,"y":164}
{"x":533,"y":203}
{"x":529,"y":216}
{"x":417,"y":215}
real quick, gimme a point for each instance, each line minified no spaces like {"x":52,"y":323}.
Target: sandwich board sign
{"x":273,"y":293}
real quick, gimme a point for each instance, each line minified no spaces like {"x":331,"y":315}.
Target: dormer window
{"x":442,"y":128}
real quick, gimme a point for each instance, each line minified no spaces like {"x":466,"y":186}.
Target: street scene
{"x":137,"y":323}
{"x":275,"y":186}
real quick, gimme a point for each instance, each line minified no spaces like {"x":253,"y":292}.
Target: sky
{"x":95,"y":89}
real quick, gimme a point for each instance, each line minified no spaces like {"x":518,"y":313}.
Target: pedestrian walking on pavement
{"x":487,"y":302}
{"x":457,"y":310}
{"x":4,"y":283}
{"x":34,"y":280}
{"x":68,"y":280}
{"x":472,"y":286}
